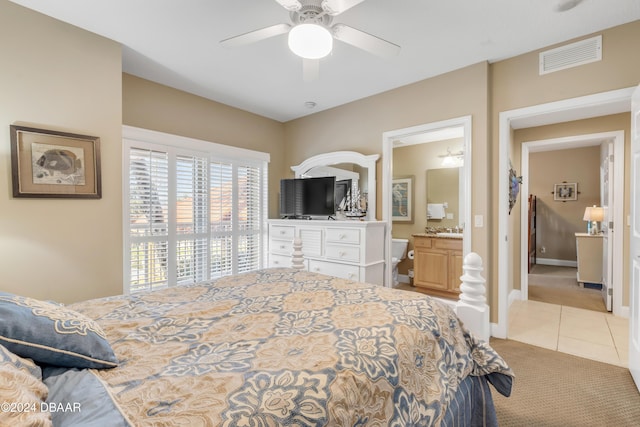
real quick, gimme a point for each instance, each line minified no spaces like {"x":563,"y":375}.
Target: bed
{"x":272,"y":347}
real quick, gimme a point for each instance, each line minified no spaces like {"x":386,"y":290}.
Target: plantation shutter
{"x":191,"y":219}
{"x":148,"y":219}
{"x":249,"y":218}
{"x":221,"y":184}
{"x":192,"y":215}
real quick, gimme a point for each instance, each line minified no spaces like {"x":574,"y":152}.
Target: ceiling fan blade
{"x":290,"y":5}
{"x":310,"y":69}
{"x":255,"y":36}
{"x":365,"y":41}
{"x":336,"y":7}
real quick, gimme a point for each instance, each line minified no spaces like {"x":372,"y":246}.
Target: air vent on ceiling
{"x":571,"y":55}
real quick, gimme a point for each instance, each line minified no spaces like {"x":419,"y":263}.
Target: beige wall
{"x":55,"y":76}
{"x":515,"y":83}
{"x":359,"y":125}
{"x":558,"y":221}
{"x":153,"y":106}
{"x":63,"y":78}
{"x":79,"y":90}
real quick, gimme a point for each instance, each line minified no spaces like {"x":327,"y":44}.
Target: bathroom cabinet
{"x":437,"y":265}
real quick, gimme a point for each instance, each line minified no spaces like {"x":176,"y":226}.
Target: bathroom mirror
{"x":345,"y":165}
{"x":445,"y":198}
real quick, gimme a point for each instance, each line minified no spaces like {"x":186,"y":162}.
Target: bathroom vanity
{"x":437,"y":263}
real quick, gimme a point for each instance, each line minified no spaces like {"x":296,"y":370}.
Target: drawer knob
{"x":282,"y":246}
{"x":276,"y":262}
{"x":342,"y":254}
{"x":342,"y":236}
{"x":282,"y":232}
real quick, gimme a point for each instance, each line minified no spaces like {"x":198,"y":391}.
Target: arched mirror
{"x":350,"y":167}
{"x":434,"y":162}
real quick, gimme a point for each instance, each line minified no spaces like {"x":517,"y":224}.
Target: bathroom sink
{"x":450,"y":235}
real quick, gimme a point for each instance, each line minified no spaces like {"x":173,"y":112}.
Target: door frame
{"x":388,"y":138}
{"x":616,"y":258}
{"x":596,"y":105}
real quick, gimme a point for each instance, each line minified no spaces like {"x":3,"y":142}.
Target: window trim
{"x":133,"y":137}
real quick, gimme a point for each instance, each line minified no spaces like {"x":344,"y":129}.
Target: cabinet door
{"x":431,"y":269}
{"x":455,"y":265}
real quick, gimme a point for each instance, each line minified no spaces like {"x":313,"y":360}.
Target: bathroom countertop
{"x":436,"y":236}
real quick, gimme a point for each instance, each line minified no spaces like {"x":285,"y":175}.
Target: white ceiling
{"x":176,"y":43}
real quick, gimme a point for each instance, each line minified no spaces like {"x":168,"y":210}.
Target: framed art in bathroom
{"x":402,"y":200}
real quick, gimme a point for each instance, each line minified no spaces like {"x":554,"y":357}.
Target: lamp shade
{"x":593,"y":213}
{"x":310,"y":41}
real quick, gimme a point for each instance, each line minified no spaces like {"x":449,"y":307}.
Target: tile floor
{"x":589,"y":334}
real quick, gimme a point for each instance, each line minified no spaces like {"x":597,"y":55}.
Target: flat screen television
{"x":308,"y":197}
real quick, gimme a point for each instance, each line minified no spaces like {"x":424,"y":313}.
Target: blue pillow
{"x":52,"y":334}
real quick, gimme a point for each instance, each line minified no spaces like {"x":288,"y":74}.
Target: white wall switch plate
{"x":478,"y":221}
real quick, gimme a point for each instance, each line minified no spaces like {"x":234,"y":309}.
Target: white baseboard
{"x":557,"y":262}
{"x":514,"y":295}
{"x":624,"y":312}
{"x":403,"y":278}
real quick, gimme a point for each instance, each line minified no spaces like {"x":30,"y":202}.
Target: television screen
{"x":319,"y":196}
{"x":290,"y":198}
{"x":307,"y":197}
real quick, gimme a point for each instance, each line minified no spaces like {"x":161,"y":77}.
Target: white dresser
{"x":348,"y":249}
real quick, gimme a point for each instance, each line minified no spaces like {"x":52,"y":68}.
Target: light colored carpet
{"x":559,"y":285}
{"x":554,"y":389}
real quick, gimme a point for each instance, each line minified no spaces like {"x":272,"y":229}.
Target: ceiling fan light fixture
{"x":310,"y":41}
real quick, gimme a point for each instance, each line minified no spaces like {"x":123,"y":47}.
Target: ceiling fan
{"x":311,"y":33}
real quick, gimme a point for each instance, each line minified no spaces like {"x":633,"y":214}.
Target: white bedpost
{"x":297,"y":260}
{"x":472,"y":308}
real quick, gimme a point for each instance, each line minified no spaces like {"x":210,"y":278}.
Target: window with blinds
{"x":194,"y":211}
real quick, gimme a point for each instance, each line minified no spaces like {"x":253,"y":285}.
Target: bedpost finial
{"x":297,"y":258}
{"x":473,"y":284}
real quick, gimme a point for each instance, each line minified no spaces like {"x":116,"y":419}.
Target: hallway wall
{"x":558,"y":221}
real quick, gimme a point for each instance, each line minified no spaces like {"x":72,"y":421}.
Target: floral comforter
{"x":286,"y":347}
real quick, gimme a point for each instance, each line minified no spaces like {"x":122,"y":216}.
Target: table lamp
{"x":593,"y":214}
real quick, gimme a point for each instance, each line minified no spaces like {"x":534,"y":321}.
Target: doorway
{"x":612,"y":102}
{"x":420,"y":134}
{"x":613,"y":250}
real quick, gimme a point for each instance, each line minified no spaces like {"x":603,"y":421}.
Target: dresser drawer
{"x":344,"y":271}
{"x":282,"y":232}
{"x":283,"y":247}
{"x":343,"y":235}
{"x":279,"y":261}
{"x":342,"y":252}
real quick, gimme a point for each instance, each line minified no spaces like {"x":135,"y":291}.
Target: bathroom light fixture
{"x":593,"y":215}
{"x":451,"y":160}
{"x":310,"y":41}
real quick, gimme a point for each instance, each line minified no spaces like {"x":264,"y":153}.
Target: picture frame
{"x":565,"y":191}
{"x":402,"y":200}
{"x":52,"y":164}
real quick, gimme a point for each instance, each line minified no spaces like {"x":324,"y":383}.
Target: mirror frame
{"x":388,"y":139}
{"x":338,"y":157}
